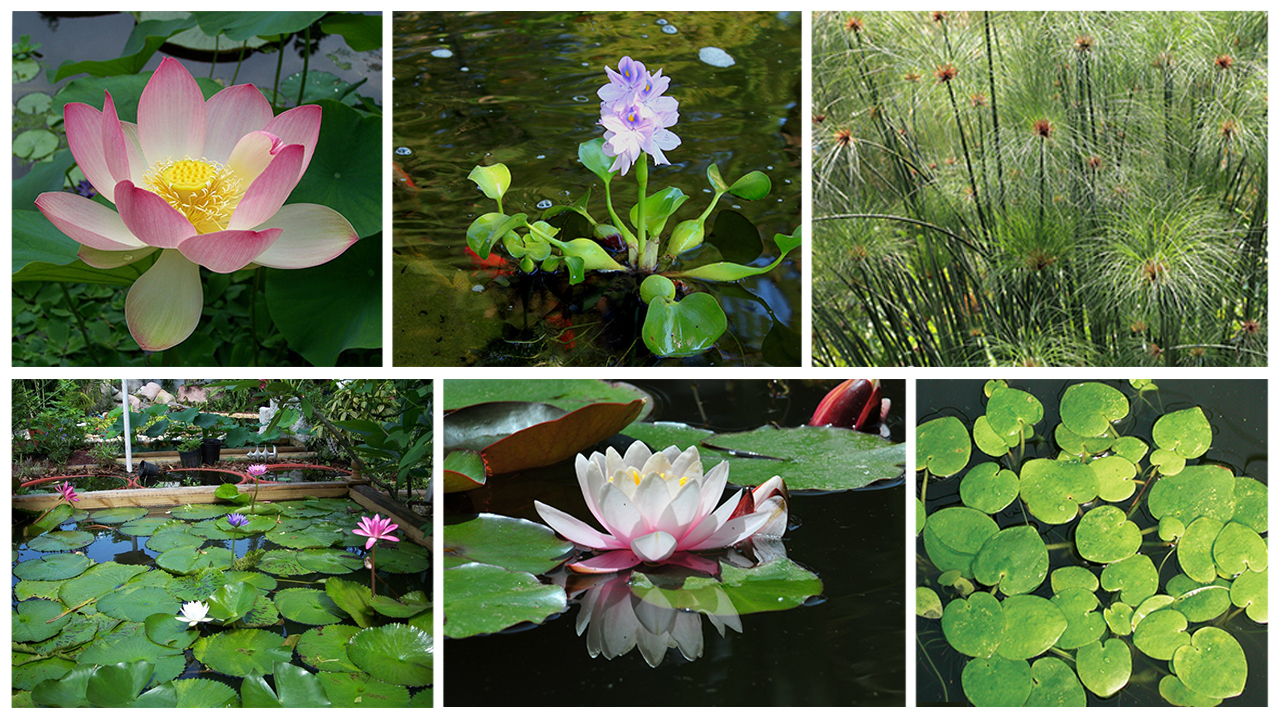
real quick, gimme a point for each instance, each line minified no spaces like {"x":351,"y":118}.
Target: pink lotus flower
{"x":376,"y":529}
{"x":203,"y":182}
{"x":657,"y":506}
{"x":68,"y":493}
{"x":257,"y":470}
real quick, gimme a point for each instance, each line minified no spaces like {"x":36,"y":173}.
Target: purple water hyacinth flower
{"x":636,"y":114}
{"x":634,"y":131}
{"x":624,"y":82}
{"x":236,"y":520}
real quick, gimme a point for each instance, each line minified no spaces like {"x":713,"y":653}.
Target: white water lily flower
{"x":194,"y":612}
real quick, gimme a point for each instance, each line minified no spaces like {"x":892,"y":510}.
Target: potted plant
{"x":211,"y":431}
{"x":189,"y":451}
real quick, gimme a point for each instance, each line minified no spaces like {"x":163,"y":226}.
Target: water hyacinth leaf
{"x":1119,"y":617}
{"x":953,"y":536}
{"x":1169,"y":462}
{"x":163,"y":628}
{"x":808,"y":458}
{"x":43,"y":675}
{"x":1130,"y":448}
{"x":1105,"y":668}
{"x":1105,"y":535}
{"x":239,"y":652}
{"x":395,"y":653}
{"x":1212,"y":663}
{"x":357,"y":690}
{"x":974,"y":626}
{"x":1088,"y":409}
{"x":483,"y":598}
{"x":997,"y":682}
{"x":52,"y":567}
{"x":684,"y":328}
{"x":658,"y":207}
{"x":1032,"y":625}
{"x":1054,"y":684}
{"x":463,"y":470}
{"x":1084,"y":624}
{"x":1249,"y":591}
{"x":187,"y":560}
{"x":512,"y":543}
{"x":1073,"y":576}
{"x":1162,"y":632}
{"x":61,"y":541}
{"x":989,"y":488}
{"x":281,"y":562}
{"x":1239,"y":549}
{"x":591,"y":154}
{"x":1053,"y":490}
{"x":1195,"y":550}
{"x":1251,"y":504}
{"x":324,"y":648}
{"x":942,"y":446}
{"x":308,"y":606}
{"x":136,"y":604}
{"x":329,"y":561}
{"x":201,"y":693}
{"x":1011,"y":411}
{"x":117,"y":516}
{"x":97,"y":581}
{"x":754,"y":185}
{"x":987,"y":440}
{"x":1185,"y":432}
{"x":480,"y":233}
{"x":1199,"y":602}
{"x":493,"y":180}
{"x":34,"y":621}
{"x":404,"y":557}
{"x":352,"y":597}
{"x":1135,"y":577}
{"x":1199,"y":490}
{"x":927,"y":603}
{"x":1115,"y":477}
{"x":1177,"y":693}
{"x":1014,"y":559}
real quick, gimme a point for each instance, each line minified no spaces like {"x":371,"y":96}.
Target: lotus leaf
{"x":117,"y":516}
{"x":1212,"y":664}
{"x":996,"y":682}
{"x":1053,"y":490}
{"x":201,"y":693}
{"x":404,"y":557}
{"x":1054,"y":684}
{"x":1177,"y":693}
{"x":1199,"y":602}
{"x":1171,"y":528}
{"x":1197,"y":491}
{"x":188,"y":560}
{"x":1105,"y":535}
{"x":1251,"y":504}
{"x":35,"y":674}
{"x":1185,"y":432}
{"x":394,"y":653}
{"x":1015,"y":559}
{"x":62,"y":566}
{"x":61,"y":540}
{"x":352,"y":597}
{"x":1115,"y":477}
{"x":1073,"y":576}
{"x":512,"y":543}
{"x":1249,"y":591}
{"x":1239,"y":549}
{"x":809,"y":458}
{"x":974,"y":626}
{"x":1161,"y":633}
{"x":97,"y":581}
{"x":1119,"y":618}
{"x":1088,"y":409}
{"x":1013,"y":412}
{"x":1135,"y":577}
{"x":198,"y":512}
{"x":942,"y":446}
{"x":163,"y":628}
{"x":988,"y":441}
{"x":239,"y":652}
{"x":953,"y":536}
{"x":1130,"y":448}
{"x":34,"y":621}
{"x":329,"y":562}
{"x":324,"y":648}
{"x":1084,"y":624}
{"x":357,"y":690}
{"x":172,"y":539}
{"x":136,"y":603}
{"x":281,"y":562}
{"x":1105,"y":669}
{"x":989,"y":488}
{"x":927,"y":603}
{"x":307,"y":606}
{"x":1195,"y":550}
{"x":1032,"y":625}
{"x":481,"y":598}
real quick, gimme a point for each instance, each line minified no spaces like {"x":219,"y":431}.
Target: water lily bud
{"x":685,"y":237}
{"x":853,"y":404}
{"x":656,"y":286}
{"x":610,"y":238}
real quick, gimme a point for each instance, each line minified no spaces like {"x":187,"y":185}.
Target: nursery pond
{"x":520,"y":89}
{"x":121,"y":576}
{"x":842,"y":646}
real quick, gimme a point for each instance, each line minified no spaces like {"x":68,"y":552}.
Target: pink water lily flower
{"x":378,"y":528}
{"x":202,"y":182}
{"x":655,"y":507}
{"x":67,"y":492}
{"x":257,"y":470}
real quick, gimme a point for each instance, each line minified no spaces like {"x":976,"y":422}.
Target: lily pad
{"x":187,"y":560}
{"x":1015,"y":559}
{"x":1168,"y":462}
{"x":308,"y":606}
{"x":996,"y":682}
{"x":1119,"y":618}
{"x":199,"y":586}
{"x":928,"y":605}
{"x":198,"y":512}
{"x":1249,"y":591}
{"x":143,"y":527}
{"x":1105,"y":668}
{"x":324,"y":648}
{"x":1105,"y":535}
{"x":1239,"y":549}
{"x":989,"y":488}
{"x":232,"y":602}
{"x":1197,"y":491}
{"x":1079,"y":445}
{"x":29,"y":675}
{"x":357,"y":690}
{"x":812,"y":458}
{"x":988,"y":441}
{"x":1135,"y":577}
{"x":1195,"y":550}
{"x":403,"y":557}
{"x":1186,"y":432}
{"x":239,"y":652}
{"x":32,"y":620}
{"x":481,"y":598}
{"x":52,"y":567}
{"x":1199,"y":602}
{"x":1054,"y":684}
{"x":1115,"y":477}
{"x":1053,"y":490}
{"x":1212,"y":664}
{"x":463,"y":470}
{"x":329,"y":561}
{"x":281,"y":562}
{"x":1177,"y":693}
{"x":163,"y":628}
{"x":174,"y":538}
{"x":953,"y":536}
{"x":135,"y":647}
{"x":397,"y":654}
{"x":974,"y":626}
{"x":61,"y":541}
{"x":1032,"y":626}
{"x":1088,"y":409}
{"x":1073,"y":576}
{"x":1130,"y":448}
{"x":352,"y":597}
{"x":1011,"y":411}
{"x":512,"y":543}
{"x":97,"y":581}
{"x":136,"y":604}
{"x":942,"y":446}
{"x":409,"y":605}
{"x":1170,"y":528}
{"x":307,"y":535}
{"x":117,"y":516}
{"x":1084,"y":624}
{"x":263,"y":613}
{"x":569,"y":394}
{"x":202,"y":693}
{"x":1251,"y":504}
{"x":1161,"y":633}
{"x":773,"y":586}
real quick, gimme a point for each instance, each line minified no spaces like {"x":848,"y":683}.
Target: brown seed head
{"x":945,"y":72}
{"x":844,"y":137}
{"x":1154,"y":350}
{"x":854,"y":24}
{"x":1138,"y":327}
{"x":1095,"y":162}
{"x":1154,"y":271}
{"x":1224,"y":62}
{"x":1250,"y":327}
{"x":1043,"y":128}
{"x":978,"y":100}
{"x":1084,"y":44}
{"x":1162,"y":60}
{"x":912,"y":77}
{"x":1229,"y":129}
{"x":938,"y":16}
{"x":819,"y":118}
{"x":1197,"y":352}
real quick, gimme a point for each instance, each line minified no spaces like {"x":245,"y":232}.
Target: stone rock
{"x":164,"y":397}
{"x":193,"y":395}
{"x":150,"y":390}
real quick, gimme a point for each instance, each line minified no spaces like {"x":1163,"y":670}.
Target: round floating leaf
{"x":1115,"y":477}
{"x":953,"y":536}
{"x":1011,"y":411}
{"x":124,"y":647}
{"x":61,"y":541}
{"x":1212,"y":664}
{"x":1251,"y":504}
{"x":1119,"y":618}
{"x":921,"y":516}
{"x":47,"y":589}
{"x":117,"y":516}
{"x":991,"y":386}
{"x":777,"y":585}
{"x":974,"y":626}
{"x":352,"y":597}
{"x":330,"y":562}
{"x":1150,"y":605}
{"x":987,"y":440}
{"x":482,"y":598}
{"x":1135,"y":577}
{"x":1032,"y":625}
{"x":927,"y":603}
{"x":1161,"y":633}
{"x":1197,"y":491}
{"x":52,"y":693}
{"x":1199,"y":602}
{"x":690,"y":326}
{"x":324,"y":648}
{"x":307,"y":606}
{"x":172,"y":539}
{"x":1105,"y":669}
{"x":136,"y":604}
{"x":199,"y":586}
{"x":942,"y":446}
{"x":198,"y":512}
{"x":812,"y":458}
{"x":1185,"y":432}
{"x":1169,"y":462}
{"x":232,"y":602}
{"x":1015,"y":559}
{"x":143,"y":527}
{"x":403,"y":557}
{"x":1249,"y":591}
{"x":1195,"y":550}
{"x":52,"y":567}
{"x":97,"y":581}
{"x":996,"y":682}
{"x":1239,"y":549}
{"x":1053,"y":684}
{"x":1130,"y":448}
{"x":281,"y":562}
{"x":188,"y":560}
{"x":1088,"y":409}
{"x":31,"y":620}
{"x":1084,"y":625}
{"x":309,"y":535}
{"x":163,"y":628}
{"x":34,"y":144}
{"x":256,"y":524}
{"x":1105,"y":535}
{"x":201,"y":693}
{"x":1073,"y":576}
{"x":409,"y":605}
{"x":395,"y":653}
{"x":265,"y":583}
{"x":1171,"y":528}
{"x":1177,"y":693}
{"x":357,"y":690}
{"x":208,"y":529}
{"x":1053,"y":490}
{"x":238,"y":652}
{"x":262,"y":614}
{"x":512,"y":543}
{"x":1079,"y":445}
{"x":989,"y":488}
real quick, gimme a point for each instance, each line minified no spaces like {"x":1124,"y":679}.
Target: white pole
{"x":128,"y":436}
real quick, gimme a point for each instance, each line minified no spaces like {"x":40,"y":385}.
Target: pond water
{"x":276,"y":569}
{"x":520,"y":88}
{"x":842,"y":647}
{"x":1237,"y":413}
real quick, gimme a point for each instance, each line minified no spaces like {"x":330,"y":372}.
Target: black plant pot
{"x":210,"y":450}
{"x":190,"y":458}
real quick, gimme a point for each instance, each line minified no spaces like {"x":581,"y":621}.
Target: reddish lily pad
{"x":463,"y":470}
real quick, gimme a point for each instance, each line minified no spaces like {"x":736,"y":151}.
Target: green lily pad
{"x":137,"y":603}
{"x":329,"y":561}
{"x":46,"y":589}
{"x":97,"y":581}
{"x":198,"y":511}
{"x":199,"y":586}
{"x":1011,"y":412}
{"x":921,"y":516}
{"x":409,"y":605}
{"x":1150,"y":605}
{"x":31,"y":620}
{"x":1084,"y":623}
{"x":1119,"y":617}
{"x":1251,"y":504}
{"x":1195,"y":549}
{"x":1212,"y":664}
{"x":974,"y":626}
{"x":927,"y":603}
{"x":281,"y":562}
{"x":996,"y":682}
{"x":34,"y":144}
{"x":308,"y":606}
{"x":1197,"y":491}
{"x":1249,"y":591}
{"x":988,"y":441}
{"x":989,"y":488}
{"x":263,"y":613}
{"x":143,"y":527}
{"x":1073,"y":576}
{"x":1185,"y":432}
{"x":30,"y":675}
{"x":777,"y":585}
{"x":1177,"y":693}
{"x":1053,"y":490}
{"x":1161,"y":633}
{"x":942,"y":446}
{"x":239,"y":652}
{"x":953,"y":536}
{"x":130,"y":647}
{"x":1054,"y":684}
{"x":117,"y":516}
{"x":396,"y":654}
{"x":1130,"y":448}
{"x":403,"y":557}
{"x":1088,"y":409}
{"x":809,"y":458}
{"x":52,"y":567}
{"x":1168,"y":462}
{"x":202,"y":693}
{"x":232,"y":602}
{"x":207,"y":529}
{"x":324,"y":648}
{"x":1115,"y":477}
{"x":512,"y":543}
{"x":172,"y":539}
{"x":187,"y":560}
{"x":1079,"y":445}
{"x":265,"y":583}
{"x":352,"y":597}
{"x":61,"y":541}
{"x":79,"y":630}
{"x":163,"y":628}
{"x":568,"y":394}
{"x":1135,"y":577}
{"x":357,"y":690}
{"x":481,"y":598}
{"x":1199,"y":602}
{"x":1239,"y":549}
{"x":1105,"y":535}
{"x":1105,"y":668}
{"x":1032,"y":626}
{"x":1015,"y":559}
{"x":307,"y":535}
{"x":1171,"y":528}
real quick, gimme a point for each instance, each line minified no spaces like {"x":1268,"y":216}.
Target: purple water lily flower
{"x":236,"y":520}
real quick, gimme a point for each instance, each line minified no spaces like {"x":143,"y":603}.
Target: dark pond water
{"x":846,"y":647}
{"x":1237,"y":411}
{"x":520,"y":88}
